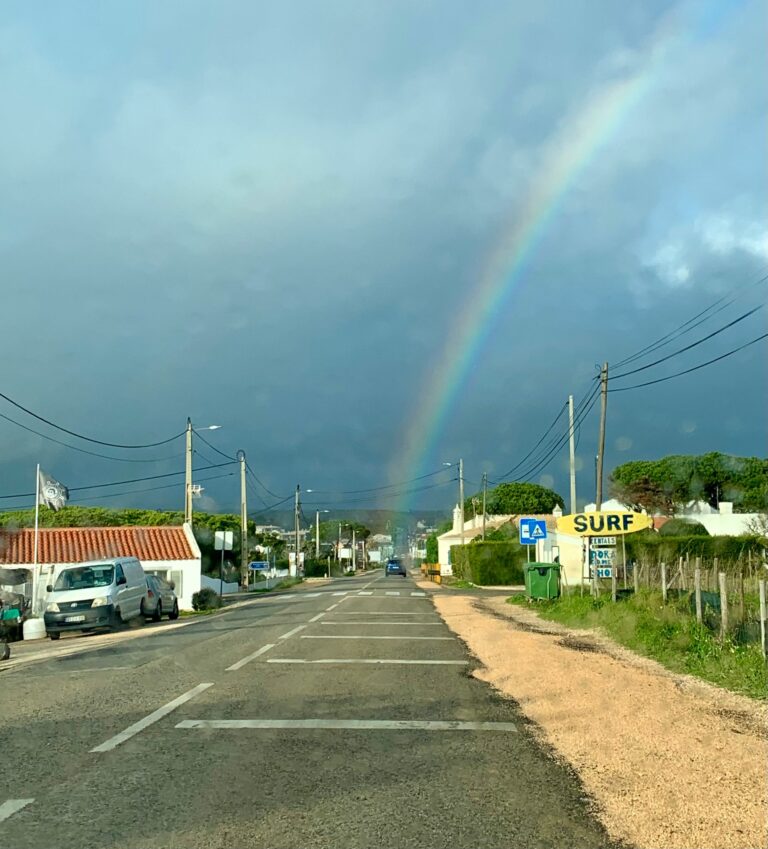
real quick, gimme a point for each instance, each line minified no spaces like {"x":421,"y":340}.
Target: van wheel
{"x":158,"y":614}
{"x":174,"y":614}
{"x":141,"y":609}
{"x":54,"y":636}
{"x":5,"y":651}
{"x":117,"y":619}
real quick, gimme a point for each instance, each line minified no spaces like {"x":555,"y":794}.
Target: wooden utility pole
{"x":601,"y":437}
{"x":572,"y":450}
{"x":296,"y":508}
{"x":485,"y":498}
{"x":461,"y":496}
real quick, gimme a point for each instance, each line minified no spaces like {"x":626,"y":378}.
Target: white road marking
{"x":351,"y":724}
{"x":418,"y":595}
{"x":312,"y":595}
{"x":241,"y":663}
{"x":11,"y":806}
{"x":380,"y":613}
{"x":333,"y":605}
{"x":410,"y":624}
{"x":319,"y":616}
{"x":362,"y":592}
{"x":344,"y":593}
{"x":397,"y":592}
{"x":153,"y":717}
{"x":370,"y":660}
{"x":364,"y":637}
{"x":292,"y":632}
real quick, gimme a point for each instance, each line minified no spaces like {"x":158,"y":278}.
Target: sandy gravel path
{"x":669,"y":760}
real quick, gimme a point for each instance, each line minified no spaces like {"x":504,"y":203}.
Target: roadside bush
{"x":489,"y":563}
{"x":432,"y":555}
{"x":683,"y":528}
{"x":206,"y":599}
{"x":315,"y":568}
{"x":648,"y":546}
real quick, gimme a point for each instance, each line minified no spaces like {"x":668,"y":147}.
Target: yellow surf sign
{"x":604,"y":524}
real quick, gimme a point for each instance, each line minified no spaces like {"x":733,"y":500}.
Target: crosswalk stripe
{"x":418,"y":594}
{"x":369,"y":592}
{"x":394,"y":593}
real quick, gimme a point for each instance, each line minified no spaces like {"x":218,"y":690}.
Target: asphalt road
{"x":335,"y":716}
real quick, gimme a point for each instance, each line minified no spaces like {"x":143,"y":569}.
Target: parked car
{"x":97,"y":594}
{"x":161,"y":599}
{"x":394,"y":567}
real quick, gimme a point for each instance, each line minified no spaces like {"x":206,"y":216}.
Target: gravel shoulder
{"x":669,"y":760}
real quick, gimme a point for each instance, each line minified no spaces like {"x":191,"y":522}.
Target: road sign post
{"x":222,"y":541}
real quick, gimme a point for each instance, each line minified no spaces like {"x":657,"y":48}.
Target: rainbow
{"x":565,"y":159}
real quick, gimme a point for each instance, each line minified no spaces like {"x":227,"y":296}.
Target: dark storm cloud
{"x":267,"y":216}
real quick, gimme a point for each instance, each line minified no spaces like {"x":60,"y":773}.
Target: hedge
{"x":489,"y":563}
{"x":206,"y":599}
{"x":653,"y":547}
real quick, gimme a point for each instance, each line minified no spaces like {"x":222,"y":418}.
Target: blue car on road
{"x":394,"y":567}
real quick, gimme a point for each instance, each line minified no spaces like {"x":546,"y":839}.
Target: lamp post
{"x":188,"y":469}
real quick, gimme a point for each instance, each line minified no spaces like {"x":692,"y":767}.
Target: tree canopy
{"x":666,"y":485}
{"x":508,"y":498}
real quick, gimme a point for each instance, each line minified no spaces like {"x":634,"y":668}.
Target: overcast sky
{"x":268,"y":216}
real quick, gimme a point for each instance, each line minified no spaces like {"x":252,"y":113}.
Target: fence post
{"x":723,"y":606}
{"x":697,"y":590}
{"x":613,"y":583}
{"x":762,"y":616}
{"x":664,"y":581}
{"x":636,"y":576}
{"x":714,"y":574}
{"x":741,"y":593}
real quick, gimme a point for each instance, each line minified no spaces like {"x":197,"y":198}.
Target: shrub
{"x":432,"y":549}
{"x":315,"y":568}
{"x":206,"y":599}
{"x":650,"y":546}
{"x":489,"y":562}
{"x":683,"y":528}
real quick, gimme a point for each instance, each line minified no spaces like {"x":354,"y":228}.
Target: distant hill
{"x":376,"y":520}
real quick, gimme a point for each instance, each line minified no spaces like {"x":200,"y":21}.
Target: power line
{"x":692,"y":322}
{"x":378,"y":488}
{"x":87,"y":438}
{"x":544,"y":436}
{"x":693,"y":368}
{"x":375,"y":498}
{"x":213,"y":447}
{"x":84,"y":450}
{"x":260,"y":482}
{"x":272,"y":506}
{"x":692,"y":345}
{"x":118,"y":483}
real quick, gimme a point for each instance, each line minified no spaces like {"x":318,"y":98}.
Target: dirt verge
{"x":670,"y":761}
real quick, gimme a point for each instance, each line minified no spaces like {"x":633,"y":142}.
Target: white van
{"x":97,"y":594}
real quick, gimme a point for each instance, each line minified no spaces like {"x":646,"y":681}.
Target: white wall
{"x":216,"y":585}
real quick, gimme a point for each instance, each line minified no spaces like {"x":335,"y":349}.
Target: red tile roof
{"x":76,"y":545}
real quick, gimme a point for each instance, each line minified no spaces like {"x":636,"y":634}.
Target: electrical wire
{"x":689,"y":347}
{"x":693,"y":368}
{"x":692,"y":322}
{"x":118,"y":483}
{"x":375,"y":498}
{"x":272,"y":506}
{"x":84,"y":450}
{"x":260,"y":482}
{"x":378,"y":488}
{"x":546,"y":433}
{"x":213,"y":447}
{"x":87,"y":438}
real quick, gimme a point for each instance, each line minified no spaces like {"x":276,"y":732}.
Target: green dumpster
{"x":542,"y":580}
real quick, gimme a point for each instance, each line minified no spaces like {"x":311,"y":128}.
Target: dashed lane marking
{"x":292,"y":632}
{"x":344,"y":593}
{"x":418,"y":595}
{"x":319,"y":616}
{"x":12,"y":806}
{"x":241,"y":663}
{"x":363,"y":592}
{"x":396,"y":592}
{"x":349,"y":724}
{"x":153,"y":717}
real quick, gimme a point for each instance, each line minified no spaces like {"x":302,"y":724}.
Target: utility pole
{"x":338,"y":547}
{"x":572,"y":441}
{"x":188,"y":476}
{"x":317,"y":534}
{"x":354,"y":552}
{"x":485,"y":498}
{"x":601,"y":437}
{"x":296,"y":506}
{"x":461,"y":496}
{"x":243,"y":522}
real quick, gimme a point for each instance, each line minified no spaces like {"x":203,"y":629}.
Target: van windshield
{"x":85,"y":578}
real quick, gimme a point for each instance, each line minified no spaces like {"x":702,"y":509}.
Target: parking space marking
{"x":153,"y":717}
{"x":350,"y":724}
{"x":12,"y":806}
{"x":319,"y":616}
{"x":365,"y":637}
{"x":381,"y":661}
{"x":241,"y":663}
{"x":292,"y":632}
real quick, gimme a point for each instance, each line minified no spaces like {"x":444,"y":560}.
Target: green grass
{"x":281,"y":585}
{"x":667,"y":633}
{"x":186,"y":613}
{"x":459,"y":583}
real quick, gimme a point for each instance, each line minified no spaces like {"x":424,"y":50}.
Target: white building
{"x":169,"y":551}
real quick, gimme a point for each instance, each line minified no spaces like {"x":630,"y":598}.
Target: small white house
{"x":169,"y":551}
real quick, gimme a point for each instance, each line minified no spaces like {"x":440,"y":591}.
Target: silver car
{"x":161,"y":599}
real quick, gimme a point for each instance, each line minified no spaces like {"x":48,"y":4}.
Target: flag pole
{"x":35,"y":580}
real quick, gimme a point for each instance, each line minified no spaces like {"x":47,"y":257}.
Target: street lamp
{"x":188,"y":469}
{"x":317,"y":530}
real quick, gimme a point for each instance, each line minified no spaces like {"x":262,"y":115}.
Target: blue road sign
{"x":256,"y":565}
{"x":532,"y":530}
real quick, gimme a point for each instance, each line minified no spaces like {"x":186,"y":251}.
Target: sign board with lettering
{"x":602,"y":556}
{"x":615,"y":523}
{"x":603,"y":542}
